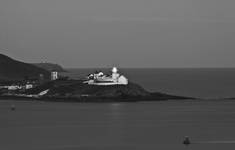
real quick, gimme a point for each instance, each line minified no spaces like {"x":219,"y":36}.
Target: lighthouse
{"x":115,"y":74}
{"x":99,"y":78}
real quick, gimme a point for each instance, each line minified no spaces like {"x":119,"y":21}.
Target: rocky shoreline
{"x":77,"y":91}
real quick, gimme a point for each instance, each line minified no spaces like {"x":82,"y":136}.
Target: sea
{"x":206,"y":83}
{"x":208,"y":122}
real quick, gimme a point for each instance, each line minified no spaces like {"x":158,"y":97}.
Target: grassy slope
{"x":16,"y":70}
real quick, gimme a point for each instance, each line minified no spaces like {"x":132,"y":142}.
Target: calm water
{"x":116,"y":126}
{"x":201,"y":83}
{"x":129,"y":126}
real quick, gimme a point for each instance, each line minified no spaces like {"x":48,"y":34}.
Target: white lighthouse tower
{"x":115,"y":74}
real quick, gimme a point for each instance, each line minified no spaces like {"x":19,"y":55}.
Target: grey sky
{"x":127,"y":33}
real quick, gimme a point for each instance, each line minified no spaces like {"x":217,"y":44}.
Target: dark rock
{"x":75,"y":90}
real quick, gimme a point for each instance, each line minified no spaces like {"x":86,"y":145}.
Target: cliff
{"x":15,"y":70}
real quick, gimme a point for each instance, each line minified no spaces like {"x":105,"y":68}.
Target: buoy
{"x":186,"y":141}
{"x":13,"y":107}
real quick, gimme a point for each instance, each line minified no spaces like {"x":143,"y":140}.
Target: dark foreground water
{"x":117,"y":126}
{"x":200,"y":83}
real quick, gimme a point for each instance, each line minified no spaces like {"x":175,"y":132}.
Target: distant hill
{"x":50,"y":67}
{"x":11,"y":69}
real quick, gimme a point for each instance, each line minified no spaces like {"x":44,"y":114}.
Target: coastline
{"x":95,"y":99}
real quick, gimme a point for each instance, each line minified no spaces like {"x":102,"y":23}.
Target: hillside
{"x":50,"y":67}
{"x":15,"y":70}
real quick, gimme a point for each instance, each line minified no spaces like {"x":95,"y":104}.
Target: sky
{"x":125,"y":33}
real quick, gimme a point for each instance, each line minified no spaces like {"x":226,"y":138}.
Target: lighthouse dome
{"x":114,"y":70}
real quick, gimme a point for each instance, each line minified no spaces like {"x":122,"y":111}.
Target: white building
{"x":28,"y":86}
{"x":54,"y":75}
{"x":101,"y":79}
{"x":14,"y":87}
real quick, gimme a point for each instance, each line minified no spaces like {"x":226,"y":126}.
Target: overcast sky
{"x":126,"y":33}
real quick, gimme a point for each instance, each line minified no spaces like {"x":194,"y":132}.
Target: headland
{"x":42,"y":84}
